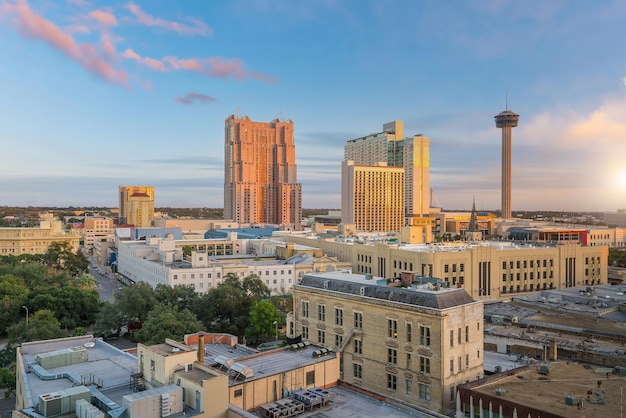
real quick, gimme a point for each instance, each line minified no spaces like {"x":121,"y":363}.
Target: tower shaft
{"x":506,"y":172}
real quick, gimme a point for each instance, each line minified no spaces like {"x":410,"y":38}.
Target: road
{"x":107,"y":283}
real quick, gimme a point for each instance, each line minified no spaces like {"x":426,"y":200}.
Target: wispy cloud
{"x":196,"y":26}
{"x":193,"y":98}
{"x":104,"y":17}
{"x":148,"y":62}
{"x":87,"y":55}
{"x":213,"y":67}
{"x":217,"y":67}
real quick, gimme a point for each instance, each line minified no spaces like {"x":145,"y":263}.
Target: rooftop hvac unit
{"x":570,"y":400}
{"x":500,"y":392}
{"x":544,"y":368}
{"x":619,"y":370}
{"x":498,"y":369}
{"x":50,"y":404}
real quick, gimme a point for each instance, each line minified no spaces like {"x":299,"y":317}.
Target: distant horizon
{"x":99,"y":94}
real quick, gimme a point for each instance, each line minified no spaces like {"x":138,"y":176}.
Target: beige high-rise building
{"x":411,"y":153}
{"x":372,"y":197}
{"x":35,"y":240}
{"x":260,"y":173}
{"x":97,"y":228}
{"x":136,"y":205}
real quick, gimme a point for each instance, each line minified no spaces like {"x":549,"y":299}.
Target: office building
{"x":136,"y":205}
{"x":97,"y":229}
{"x":414,"y":344}
{"x":372,"y":197}
{"x":35,"y":240}
{"x":411,"y":153}
{"x":485,"y":269}
{"x":260,"y":173}
{"x":506,"y":120}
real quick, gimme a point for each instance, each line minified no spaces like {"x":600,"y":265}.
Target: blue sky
{"x":99,"y":94}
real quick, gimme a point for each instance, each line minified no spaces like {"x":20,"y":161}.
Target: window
{"x":478,"y":326}
{"x":310,"y":378}
{"x":321,"y":313}
{"x":451,"y":366}
{"x":176,"y":277}
{"x":425,"y":365}
{"x":478,"y":354}
{"x":459,"y":363}
{"x":467,"y":361}
{"x":339,"y":317}
{"x":358,"y":320}
{"x":409,"y":386}
{"x":152,"y":365}
{"x":305,"y":332}
{"x":408,"y":361}
{"x":392,"y":328}
{"x":305,"y":309}
{"x":238,"y":393}
{"x":459,"y":336}
{"x":409,"y":331}
{"x":425,"y":336}
{"x":392,"y":381}
{"x":338,"y":340}
{"x":466,"y":333}
{"x":451,"y":338}
{"x":424,"y":392}
{"x":321,"y":336}
{"x":357,"y":370}
{"x":392,"y":356}
{"x":445,"y":268}
{"x":358,"y":347}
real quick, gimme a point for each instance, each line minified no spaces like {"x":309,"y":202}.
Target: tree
{"x":109,"y":318}
{"x":180,"y":296}
{"x":60,"y":257}
{"x":71,"y":306}
{"x":226,"y":308}
{"x":263,"y":320}
{"x":13,"y":295}
{"x":166,"y":322}
{"x":136,"y":301}
{"x":42,"y":326}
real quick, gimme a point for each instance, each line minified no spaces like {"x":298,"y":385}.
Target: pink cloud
{"x":193,"y":98}
{"x":196,"y":28}
{"x":33,"y":26}
{"x":151,"y":63}
{"x":104,"y":18}
{"x":218,"y":67}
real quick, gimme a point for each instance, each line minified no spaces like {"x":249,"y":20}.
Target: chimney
{"x":201,"y":348}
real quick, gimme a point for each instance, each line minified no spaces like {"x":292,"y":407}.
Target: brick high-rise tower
{"x":260,"y":173}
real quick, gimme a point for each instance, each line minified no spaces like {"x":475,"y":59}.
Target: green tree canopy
{"x":166,"y":322}
{"x":109,"y":318}
{"x":180,"y":296}
{"x":60,"y":257}
{"x":13,"y":295}
{"x":263,"y":320}
{"x":136,"y":301}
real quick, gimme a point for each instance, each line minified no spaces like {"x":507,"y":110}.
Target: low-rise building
{"x":36,"y":240}
{"x":412,"y":344}
{"x":97,"y":229}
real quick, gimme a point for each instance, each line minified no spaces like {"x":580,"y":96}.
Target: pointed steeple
{"x":473,"y":226}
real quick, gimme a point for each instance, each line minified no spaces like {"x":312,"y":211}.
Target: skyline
{"x":98,"y":95}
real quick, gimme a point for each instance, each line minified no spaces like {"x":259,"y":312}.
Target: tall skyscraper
{"x":136,"y":205}
{"x":260,"y":173}
{"x":372,"y":197}
{"x":506,"y":120}
{"x":411,"y":153}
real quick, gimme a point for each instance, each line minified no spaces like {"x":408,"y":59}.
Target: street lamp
{"x":276,"y":323}
{"x":24,"y":306}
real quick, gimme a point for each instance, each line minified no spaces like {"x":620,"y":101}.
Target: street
{"x":107,"y":282}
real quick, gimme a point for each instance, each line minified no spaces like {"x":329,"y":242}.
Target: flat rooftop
{"x":547,"y":392}
{"x":105,"y":365}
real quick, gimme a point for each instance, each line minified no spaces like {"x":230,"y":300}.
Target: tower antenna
{"x":506,"y":93}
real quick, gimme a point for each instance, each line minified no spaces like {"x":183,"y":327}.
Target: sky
{"x":97,"y":94}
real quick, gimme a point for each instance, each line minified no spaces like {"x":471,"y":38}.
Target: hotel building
{"x":412,"y":154}
{"x":136,"y":205}
{"x":260,"y":179}
{"x":18,"y":241}
{"x":372,"y":197}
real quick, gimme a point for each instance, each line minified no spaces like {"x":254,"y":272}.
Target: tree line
{"x":50,"y":295}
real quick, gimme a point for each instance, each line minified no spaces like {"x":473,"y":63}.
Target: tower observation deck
{"x":506,"y":120}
